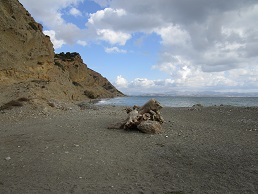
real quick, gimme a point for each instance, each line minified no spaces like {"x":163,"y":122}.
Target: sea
{"x":181,"y":101}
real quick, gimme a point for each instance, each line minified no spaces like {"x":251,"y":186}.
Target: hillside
{"x":30,"y":69}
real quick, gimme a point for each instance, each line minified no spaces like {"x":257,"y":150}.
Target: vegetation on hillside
{"x":66,"y":56}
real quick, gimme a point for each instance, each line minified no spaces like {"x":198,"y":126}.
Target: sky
{"x":159,"y":46}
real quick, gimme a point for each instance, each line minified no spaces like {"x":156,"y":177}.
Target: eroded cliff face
{"x":29,"y":67}
{"x":25,"y":51}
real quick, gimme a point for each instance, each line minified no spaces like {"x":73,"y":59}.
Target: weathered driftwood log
{"x":150,"y":127}
{"x":146,"y":118}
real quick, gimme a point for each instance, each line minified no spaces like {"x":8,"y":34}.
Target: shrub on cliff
{"x":90,"y":94}
{"x":66,"y":56}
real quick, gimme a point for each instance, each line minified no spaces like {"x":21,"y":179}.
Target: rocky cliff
{"x":30,"y":69}
{"x":85,"y":80}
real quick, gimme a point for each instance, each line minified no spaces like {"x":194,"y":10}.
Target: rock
{"x":151,"y":127}
{"x":8,"y":158}
{"x":87,"y":105}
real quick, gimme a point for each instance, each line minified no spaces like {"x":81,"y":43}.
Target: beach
{"x":201,"y":150}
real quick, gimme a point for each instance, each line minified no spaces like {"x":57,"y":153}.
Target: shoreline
{"x":175,"y":101}
{"x":201,"y":150}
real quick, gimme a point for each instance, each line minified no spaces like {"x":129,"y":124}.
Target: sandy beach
{"x":201,"y":150}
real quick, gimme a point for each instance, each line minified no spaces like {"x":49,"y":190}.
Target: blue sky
{"x":159,"y":46}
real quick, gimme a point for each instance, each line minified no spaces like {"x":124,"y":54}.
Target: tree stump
{"x":151,"y":127}
{"x":146,"y":119}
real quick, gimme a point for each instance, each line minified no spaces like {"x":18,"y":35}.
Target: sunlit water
{"x":172,"y":101}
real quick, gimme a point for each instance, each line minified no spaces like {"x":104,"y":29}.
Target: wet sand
{"x":201,"y":150}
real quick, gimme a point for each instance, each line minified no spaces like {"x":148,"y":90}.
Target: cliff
{"x":85,"y":80}
{"x":30,"y":69}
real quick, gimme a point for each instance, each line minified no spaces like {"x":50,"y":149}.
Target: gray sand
{"x":202,"y":150}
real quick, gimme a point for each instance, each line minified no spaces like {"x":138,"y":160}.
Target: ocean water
{"x":176,"y":101}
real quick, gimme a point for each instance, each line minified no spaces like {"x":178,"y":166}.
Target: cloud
{"x":52,"y":34}
{"x":181,"y":11}
{"x":198,"y":81}
{"x":122,"y":20}
{"x":173,"y":35}
{"x":143,"y":85}
{"x":212,"y":52}
{"x":75,"y":12}
{"x":121,"y":82}
{"x":82,"y":43}
{"x":192,"y":78}
{"x":113,"y":37}
{"x":105,"y":16}
{"x":210,"y":36}
{"x":115,"y":50}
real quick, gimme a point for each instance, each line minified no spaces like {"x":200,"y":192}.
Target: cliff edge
{"x":29,"y":68}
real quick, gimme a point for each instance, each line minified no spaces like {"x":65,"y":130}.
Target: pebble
{"x":8,"y":158}
{"x":253,"y":129}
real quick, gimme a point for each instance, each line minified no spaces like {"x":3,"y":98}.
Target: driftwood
{"x":146,"y":118}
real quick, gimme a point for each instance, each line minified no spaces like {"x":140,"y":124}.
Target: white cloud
{"x":82,"y":43}
{"x":106,"y":15}
{"x":113,"y":37}
{"x":75,"y":12}
{"x":138,"y":85}
{"x":197,"y":81}
{"x":143,"y":82}
{"x":173,"y":35}
{"x":115,"y":50}
{"x":121,"y":82}
{"x":144,"y":85}
{"x":57,"y":43}
{"x":120,"y":20}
